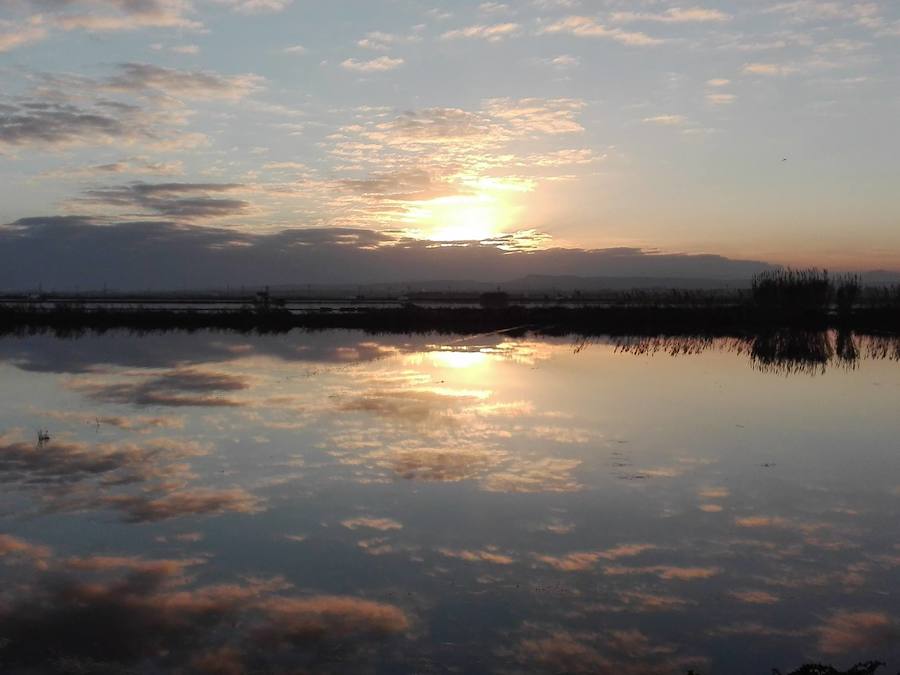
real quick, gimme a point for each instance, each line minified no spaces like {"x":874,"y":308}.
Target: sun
{"x":463,"y":218}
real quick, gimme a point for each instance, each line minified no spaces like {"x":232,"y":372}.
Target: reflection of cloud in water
{"x":496,"y":470}
{"x":74,"y":476}
{"x":556,"y":526}
{"x":666,"y":572}
{"x":140,"y":423}
{"x":441,"y":465}
{"x":711,"y":508}
{"x":108,"y":613}
{"x":300,"y":621}
{"x":65,"y":462}
{"x":584,"y":560}
{"x":382,"y":524}
{"x":46,"y":353}
{"x":538,"y":475}
{"x":714,"y":493}
{"x":195,"y":502}
{"x":857,"y":632}
{"x":640,"y":602}
{"x":623,"y":652}
{"x":410,"y":405}
{"x":755,"y":597}
{"x":14,"y":548}
{"x":176,"y":388}
{"x":488,"y":555}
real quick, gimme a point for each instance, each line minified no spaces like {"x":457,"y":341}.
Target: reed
{"x":803,"y":291}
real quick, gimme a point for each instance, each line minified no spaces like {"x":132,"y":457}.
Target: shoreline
{"x":716,"y":320}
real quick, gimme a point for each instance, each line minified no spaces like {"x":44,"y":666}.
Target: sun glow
{"x":463,"y":218}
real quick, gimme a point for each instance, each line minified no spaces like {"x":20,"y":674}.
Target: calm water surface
{"x":340,"y":503}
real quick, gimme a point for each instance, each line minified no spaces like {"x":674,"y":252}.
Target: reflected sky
{"x":339,"y":502}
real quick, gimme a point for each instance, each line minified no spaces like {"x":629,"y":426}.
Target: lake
{"x":340,"y":502}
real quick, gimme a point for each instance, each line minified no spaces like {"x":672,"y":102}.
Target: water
{"x":336,"y":502}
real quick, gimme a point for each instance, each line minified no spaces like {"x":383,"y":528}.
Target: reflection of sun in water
{"x":459,"y":359}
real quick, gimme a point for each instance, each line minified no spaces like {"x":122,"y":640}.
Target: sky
{"x":753,"y":130}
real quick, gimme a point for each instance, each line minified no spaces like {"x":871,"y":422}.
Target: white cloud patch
{"x":587,"y":27}
{"x":674,"y":15}
{"x":491,"y":33}
{"x":379,"y":65}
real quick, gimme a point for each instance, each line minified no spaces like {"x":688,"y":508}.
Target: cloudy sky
{"x":750,"y":129}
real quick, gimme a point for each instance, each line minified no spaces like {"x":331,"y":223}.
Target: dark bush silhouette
{"x":846,"y":293}
{"x":866,"y":668}
{"x":792,"y":290}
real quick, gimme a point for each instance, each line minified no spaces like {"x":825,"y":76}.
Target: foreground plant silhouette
{"x":866,"y":668}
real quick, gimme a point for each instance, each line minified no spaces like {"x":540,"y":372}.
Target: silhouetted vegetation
{"x":794,"y":300}
{"x":867,"y":668}
{"x":495,"y":300}
{"x":792,"y":290}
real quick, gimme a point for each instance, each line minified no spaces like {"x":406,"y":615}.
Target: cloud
{"x":534,"y":115}
{"x":191,"y":84}
{"x":674,"y":15}
{"x":866,"y":14}
{"x":13,"y":36}
{"x":666,"y":120}
{"x":136,"y":104}
{"x":132,"y":166}
{"x":490,"y":32}
{"x":257,"y":6}
{"x":403,"y":185}
{"x":379,"y":65}
{"x":57,"y":125}
{"x":117,"y":15}
{"x":381,"y":41}
{"x":584,"y":26}
{"x":564,"y":61}
{"x":65,"y":251}
{"x":770,"y":69}
{"x":186,"y":201}
{"x":721,"y":99}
